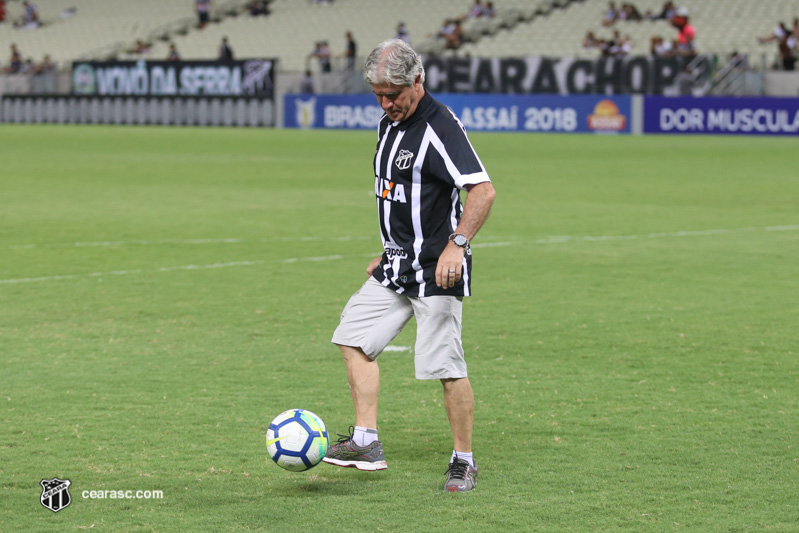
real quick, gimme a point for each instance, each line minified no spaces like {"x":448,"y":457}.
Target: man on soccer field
{"x":423,"y":159}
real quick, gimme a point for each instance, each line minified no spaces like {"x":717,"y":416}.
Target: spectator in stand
{"x":789,"y":48}
{"x":203,"y":9}
{"x":455,"y":37}
{"x":684,"y":82}
{"x":611,"y":46}
{"x":173,"y":53}
{"x":659,"y":47}
{"x":630,"y":12}
{"x":780,"y":32}
{"x":322,"y":53}
{"x":626,"y":46}
{"x":795,"y":36}
{"x":28,"y":66}
{"x":611,"y":15}
{"x":591,"y":41}
{"x":140,"y":48}
{"x":14,"y":62}
{"x":667,"y":12}
{"x":786,"y":44}
{"x":351,"y":53}
{"x":738,"y":60}
{"x":259,"y":7}
{"x":489,"y":11}
{"x":685,"y":39}
{"x":46,"y":66}
{"x":2,"y":10}
{"x":325,"y":56}
{"x":446,"y":29}
{"x":44,"y":79}
{"x":617,"y":46}
{"x":225,"y":51}
{"x":30,"y":18}
{"x":477,"y":10}
{"x":306,"y":84}
{"x":402,"y":33}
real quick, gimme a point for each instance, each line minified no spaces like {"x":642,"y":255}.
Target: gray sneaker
{"x":347,"y":453}
{"x":461,"y":476}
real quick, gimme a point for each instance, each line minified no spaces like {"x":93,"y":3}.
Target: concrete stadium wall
{"x":166,"y":111}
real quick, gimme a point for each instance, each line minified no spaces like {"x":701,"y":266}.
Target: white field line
{"x":133,"y":271}
{"x":557,"y":239}
{"x":392,"y":348}
{"x":166,"y":269}
{"x":547,"y":240}
{"x":116,"y":244}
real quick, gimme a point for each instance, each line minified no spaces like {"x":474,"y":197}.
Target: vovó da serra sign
{"x":253,"y":77}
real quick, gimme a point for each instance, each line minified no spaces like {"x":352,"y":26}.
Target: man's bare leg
{"x":364,"y":379}
{"x":459,"y":401}
{"x":363,"y":375}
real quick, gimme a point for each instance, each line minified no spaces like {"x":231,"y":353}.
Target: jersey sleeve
{"x":453,"y":157}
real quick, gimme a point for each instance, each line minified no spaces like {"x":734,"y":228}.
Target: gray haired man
{"x":423,"y":159}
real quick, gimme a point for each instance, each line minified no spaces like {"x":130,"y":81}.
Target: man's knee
{"x":353,"y":354}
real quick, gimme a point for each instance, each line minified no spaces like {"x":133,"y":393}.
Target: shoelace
{"x":344,"y":438}
{"x":457,"y":470}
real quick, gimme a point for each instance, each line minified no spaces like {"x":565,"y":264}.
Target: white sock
{"x":364,"y":436}
{"x":463,"y":456}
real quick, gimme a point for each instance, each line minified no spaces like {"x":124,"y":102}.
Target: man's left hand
{"x":450,"y":265}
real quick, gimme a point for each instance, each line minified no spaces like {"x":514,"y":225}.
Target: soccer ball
{"x":297,"y":440}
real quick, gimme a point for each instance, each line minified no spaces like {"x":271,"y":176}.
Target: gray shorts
{"x":375,"y":315}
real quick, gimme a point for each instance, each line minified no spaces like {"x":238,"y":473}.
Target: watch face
{"x":460,"y":240}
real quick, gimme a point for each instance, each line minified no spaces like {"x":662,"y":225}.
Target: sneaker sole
{"x":456,"y":489}
{"x":360,"y":465}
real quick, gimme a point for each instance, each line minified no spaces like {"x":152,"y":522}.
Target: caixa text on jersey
{"x":389,"y":190}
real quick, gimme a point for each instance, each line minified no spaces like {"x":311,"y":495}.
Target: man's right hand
{"x":373,"y":266}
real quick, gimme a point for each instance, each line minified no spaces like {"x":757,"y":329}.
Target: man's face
{"x":399,"y":102}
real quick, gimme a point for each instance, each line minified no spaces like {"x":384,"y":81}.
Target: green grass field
{"x":632,"y":338}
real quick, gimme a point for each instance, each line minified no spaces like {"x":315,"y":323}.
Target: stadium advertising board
{"x":331,"y":111}
{"x":478,"y":112}
{"x":252,"y":77}
{"x":722,"y":115}
{"x":543,"y":75}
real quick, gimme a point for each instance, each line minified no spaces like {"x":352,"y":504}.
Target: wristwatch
{"x":459,"y":240}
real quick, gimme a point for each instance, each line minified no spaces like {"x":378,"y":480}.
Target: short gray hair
{"x":393,"y":62}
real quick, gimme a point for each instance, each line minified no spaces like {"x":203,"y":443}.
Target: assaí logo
{"x":389,"y":190}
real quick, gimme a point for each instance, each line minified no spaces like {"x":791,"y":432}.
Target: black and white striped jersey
{"x":420,"y":166}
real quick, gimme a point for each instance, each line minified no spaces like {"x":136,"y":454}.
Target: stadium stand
{"x":293,"y":28}
{"x":102,"y":29}
{"x":722,"y":28}
{"x":98,"y":29}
